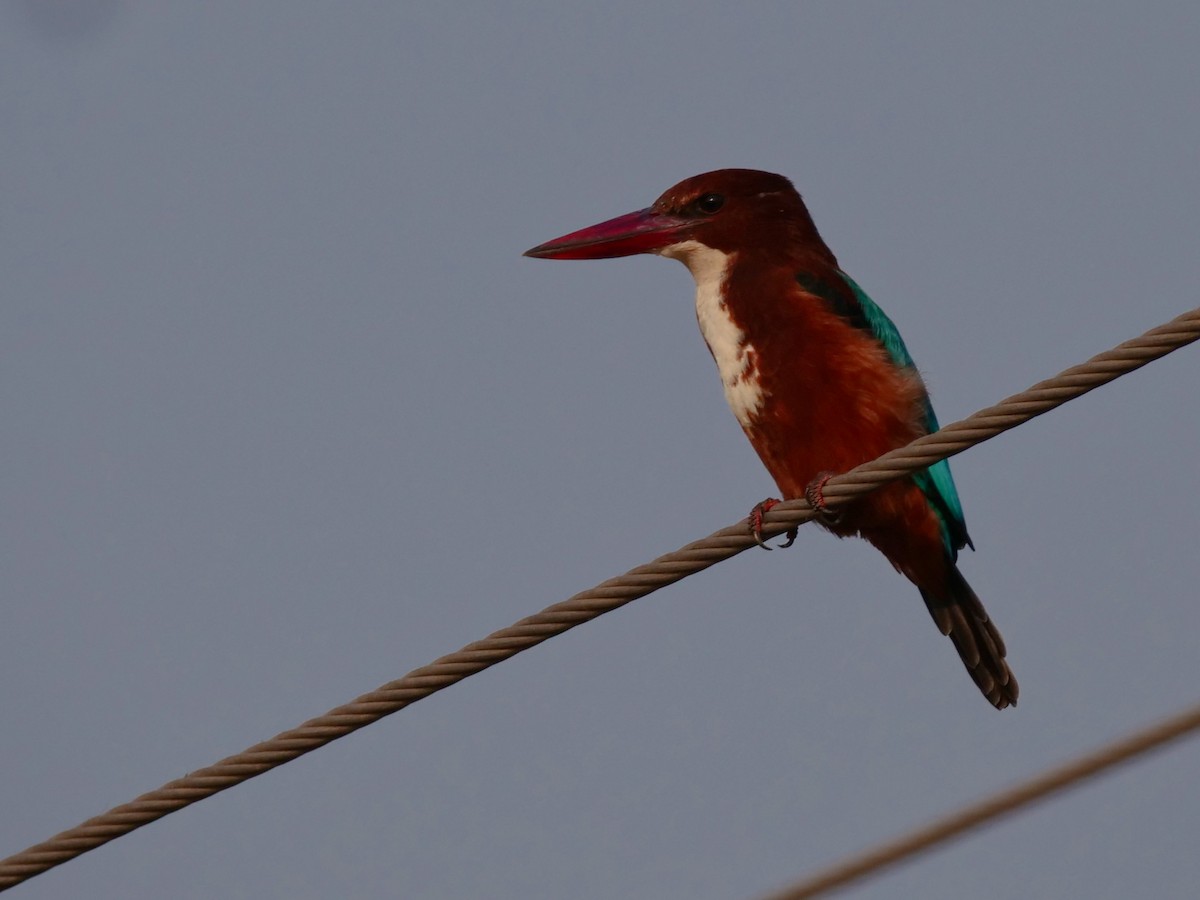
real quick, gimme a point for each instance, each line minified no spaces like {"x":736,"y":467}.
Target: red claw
{"x":756,"y":523}
{"x":815,"y":495}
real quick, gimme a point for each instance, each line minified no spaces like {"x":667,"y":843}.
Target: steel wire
{"x":1010,"y":800}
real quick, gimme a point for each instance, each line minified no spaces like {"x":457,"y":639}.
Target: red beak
{"x":643,"y":231}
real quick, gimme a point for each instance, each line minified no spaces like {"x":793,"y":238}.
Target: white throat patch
{"x":736,"y":358}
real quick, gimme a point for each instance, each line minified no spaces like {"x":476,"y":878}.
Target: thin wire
{"x":1000,"y":804}
{"x":587,"y":605}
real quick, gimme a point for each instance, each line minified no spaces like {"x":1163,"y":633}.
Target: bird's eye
{"x":710,"y":203}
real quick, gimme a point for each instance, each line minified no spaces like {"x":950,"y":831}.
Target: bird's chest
{"x":811,"y":392}
{"x":735,"y":355}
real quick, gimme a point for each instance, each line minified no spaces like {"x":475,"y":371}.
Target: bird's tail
{"x":960,"y":615}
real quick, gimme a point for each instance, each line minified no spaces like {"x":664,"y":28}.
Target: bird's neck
{"x":735,"y":355}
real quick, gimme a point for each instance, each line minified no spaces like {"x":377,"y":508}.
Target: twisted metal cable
{"x":993,"y":807}
{"x":590,"y":604}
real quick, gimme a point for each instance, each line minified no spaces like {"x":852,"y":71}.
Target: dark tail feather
{"x":961,"y":617}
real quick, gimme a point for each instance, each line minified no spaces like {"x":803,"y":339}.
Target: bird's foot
{"x":815,"y":495}
{"x":756,"y":522}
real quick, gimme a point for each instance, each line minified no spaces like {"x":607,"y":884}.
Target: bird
{"x":817,"y":376}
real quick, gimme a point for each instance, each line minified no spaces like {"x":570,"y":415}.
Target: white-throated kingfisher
{"x":816,"y":374}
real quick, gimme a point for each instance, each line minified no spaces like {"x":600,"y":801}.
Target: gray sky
{"x":288,"y":415}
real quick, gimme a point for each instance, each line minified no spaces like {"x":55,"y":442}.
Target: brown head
{"x":731,"y":210}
